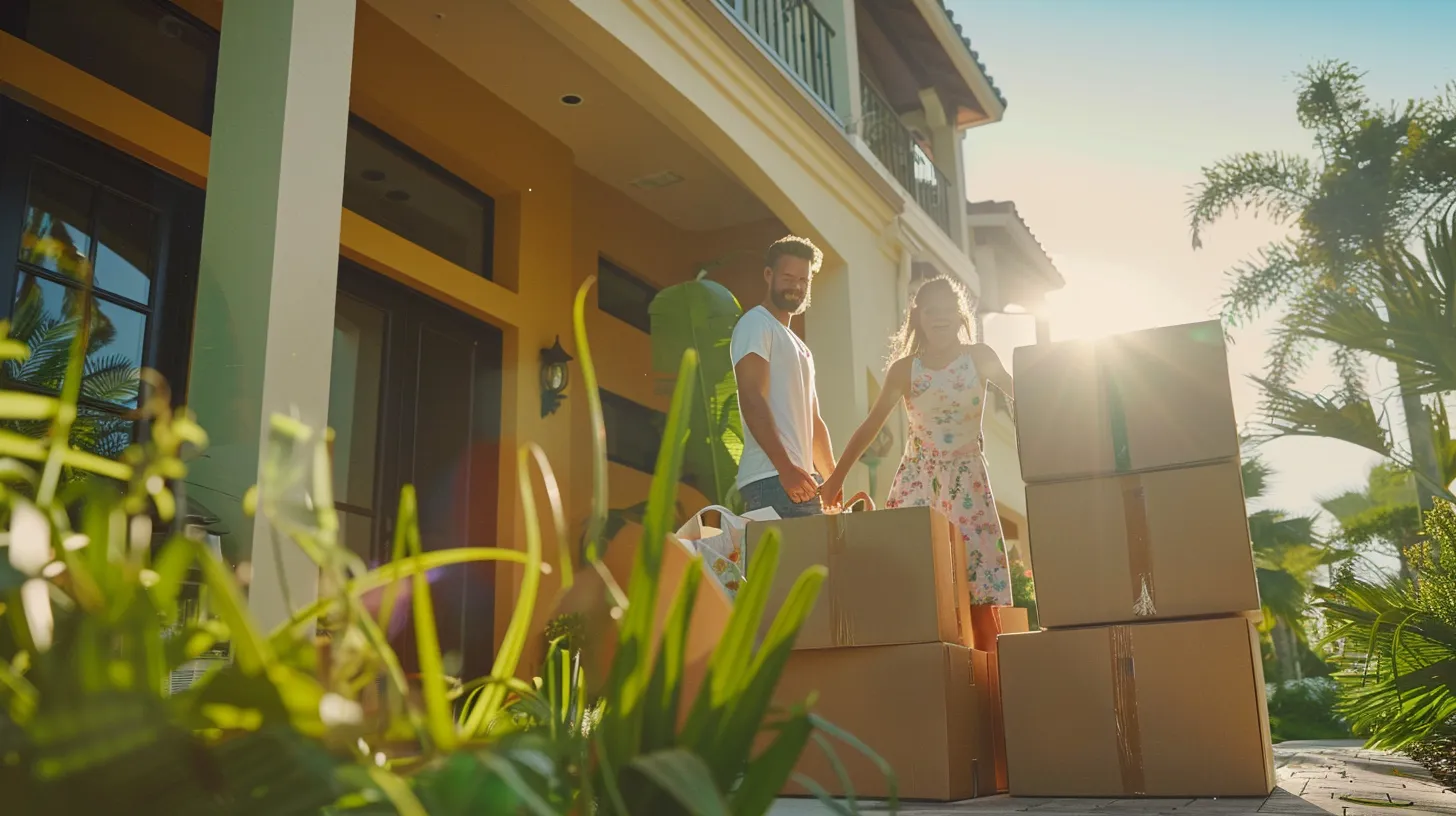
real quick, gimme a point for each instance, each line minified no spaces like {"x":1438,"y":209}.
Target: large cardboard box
{"x":895,"y":577}
{"x":921,"y":708}
{"x":1134,"y":402}
{"x":1156,"y":709}
{"x":1152,"y":546}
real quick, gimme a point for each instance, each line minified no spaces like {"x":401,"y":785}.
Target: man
{"x":786,"y":449}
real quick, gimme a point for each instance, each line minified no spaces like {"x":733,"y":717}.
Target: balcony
{"x":895,"y":147}
{"x":795,"y":33}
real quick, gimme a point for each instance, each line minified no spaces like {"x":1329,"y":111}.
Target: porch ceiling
{"x":612,"y":136}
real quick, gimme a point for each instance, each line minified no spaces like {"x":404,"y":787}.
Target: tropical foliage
{"x":1396,"y":641}
{"x":1380,"y":177}
{"x":1288,"y":558}
{"x":91,"y":626}
{"x":699,"y":315}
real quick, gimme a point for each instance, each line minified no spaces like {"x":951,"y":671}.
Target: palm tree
{"x":1287,"y":558}
{"x":1383,"y":516}
{"x":1380,"y":175}
{"x":110,"y":382}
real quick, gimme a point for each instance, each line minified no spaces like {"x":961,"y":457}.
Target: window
{"x":148,"y":48}
{"x":624,"y":296}
{"x":416,"y":199}
{"x":71,"y":208}
{"x":634,"y":432}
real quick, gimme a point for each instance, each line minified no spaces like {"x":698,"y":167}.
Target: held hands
{"x":799,"y":484}
{"x":832,"y":491}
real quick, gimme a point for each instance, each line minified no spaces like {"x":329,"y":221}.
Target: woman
{"x":942,"y":374}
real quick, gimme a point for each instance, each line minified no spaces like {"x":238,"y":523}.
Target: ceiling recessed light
{"x":397,"y":195}
{"x":571,"y":100}
{"x":373,"y":175}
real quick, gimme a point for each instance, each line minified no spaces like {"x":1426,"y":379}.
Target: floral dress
{"x":944,"y":467}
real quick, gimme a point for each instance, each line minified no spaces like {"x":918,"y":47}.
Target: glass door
{"x":415,"y":399}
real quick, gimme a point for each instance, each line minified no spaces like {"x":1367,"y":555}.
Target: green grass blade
{"x":767,"y":773}
{"x":818,"y":792}
{"x":732,"y":745}
{"x":597,"y":520}
{"x":253,"y":652}
{"x":632,"y":666}
{"x":398,"y":792}
{"x":558,"y":517}
{"x":826,"y":727}
{"x":388,"y":574}
{"x":438,"y":721}
{"x":508,"y":774}
{"x":513,"y":644}
{"x":684,"y":777}
{"x":659,"y":724}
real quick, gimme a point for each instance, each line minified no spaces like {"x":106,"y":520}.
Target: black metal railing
{"x":796,"y":33}
{"x":896,"y":148}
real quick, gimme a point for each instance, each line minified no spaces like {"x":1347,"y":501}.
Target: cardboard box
{"x":1152,"y":546}
{"x":1007,"y":620}
{"x":1135,"y":402}
{"x":919,"y":707}
{"x":895,"y":577}
{"x":1156,"y":709}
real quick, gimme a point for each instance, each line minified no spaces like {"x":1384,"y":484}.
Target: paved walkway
{"x":1315,"y":778}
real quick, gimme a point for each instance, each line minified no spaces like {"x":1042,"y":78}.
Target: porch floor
{"x":1313,"y":776}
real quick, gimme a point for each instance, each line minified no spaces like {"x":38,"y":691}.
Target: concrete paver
{"x":1315,"y":778}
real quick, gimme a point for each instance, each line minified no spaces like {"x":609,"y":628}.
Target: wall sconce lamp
{"x":554,"y":376}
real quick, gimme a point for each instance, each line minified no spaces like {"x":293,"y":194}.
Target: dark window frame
{"x":614,"y":402}
{"x":15,"y":19}
{"x":431,"y":167}
{"x":27,"y":138}
{"x":606,"y":265}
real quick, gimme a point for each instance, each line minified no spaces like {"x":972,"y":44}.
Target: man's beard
{"x":787,"y":303}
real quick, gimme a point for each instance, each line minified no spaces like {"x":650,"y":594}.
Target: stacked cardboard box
{"x":887,"y":652}
{"x":1148,"y":681}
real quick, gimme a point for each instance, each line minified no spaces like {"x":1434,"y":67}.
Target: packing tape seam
{"x":1125,"y":711}
{"x":1116,"y":413}
{"x":841,"y":623}
{"x":1139,"y":546}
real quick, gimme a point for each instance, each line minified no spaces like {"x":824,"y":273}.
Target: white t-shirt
{"x":791,"y":398}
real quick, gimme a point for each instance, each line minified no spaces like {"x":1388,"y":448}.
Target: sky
{"x":1114,"y":106}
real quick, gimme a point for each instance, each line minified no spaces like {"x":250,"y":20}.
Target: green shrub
{"x":1396,"y":642}
{"x":1023,"y":592}
{"x":1305,"y":710}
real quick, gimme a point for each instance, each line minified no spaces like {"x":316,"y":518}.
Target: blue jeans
{"x":770,"y":493}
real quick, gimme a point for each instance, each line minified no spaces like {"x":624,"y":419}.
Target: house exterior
{"x":375,"y":215}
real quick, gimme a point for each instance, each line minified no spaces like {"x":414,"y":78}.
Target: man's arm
{"x":752,"y":372}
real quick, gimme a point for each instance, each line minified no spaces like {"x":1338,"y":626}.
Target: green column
{"x":270,"y":251}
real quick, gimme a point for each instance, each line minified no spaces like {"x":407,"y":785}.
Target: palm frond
{"x":1272,"y":184}
{"x":1290,"y":412}
{"x":1263,"y":281}
{"x":1331,"y":102}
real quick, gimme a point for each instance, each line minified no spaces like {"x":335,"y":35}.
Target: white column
{"x":270,"y":249}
